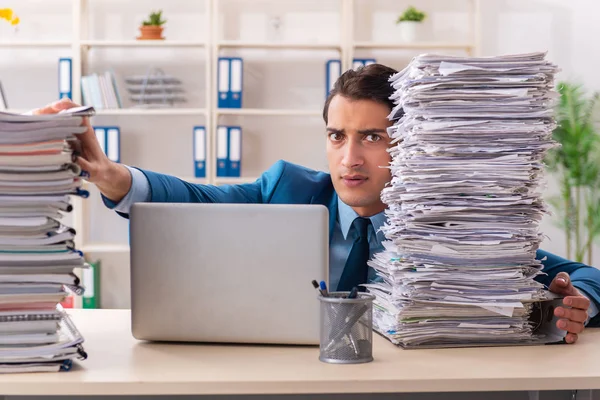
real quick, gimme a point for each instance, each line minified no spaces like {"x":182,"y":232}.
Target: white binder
{"x":235,"y":151}
{"x":101,"y":136}
{"x":332,"y":73}
{"x":113,"y":144}
{"x":199,"y":152}
{"x":65,"y":85}
{"x":109,"y":138}
{"x":236,"y":71}
{"x":223,"y":84}
{"x":222,"y":151}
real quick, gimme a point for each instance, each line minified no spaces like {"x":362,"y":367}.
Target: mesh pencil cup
{"x":346,"y":328}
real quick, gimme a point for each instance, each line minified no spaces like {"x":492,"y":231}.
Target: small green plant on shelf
{"x":155,"y":19}
{"x":411,"y":14}
{"x":152,"y":28}
{"x":408,"y":23}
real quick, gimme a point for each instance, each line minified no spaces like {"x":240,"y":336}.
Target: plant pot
{"x":409,"y":30}
{"x":151,"y":32}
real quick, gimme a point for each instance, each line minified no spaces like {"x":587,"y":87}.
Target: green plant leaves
{"x":155,"y":19}
{"x":411,"y":14}
{"x":577,"y":164}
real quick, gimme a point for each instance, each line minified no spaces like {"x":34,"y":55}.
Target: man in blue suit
{"x":355,"y":114}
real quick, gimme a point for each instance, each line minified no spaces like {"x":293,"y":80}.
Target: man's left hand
{"x":571,"y":319}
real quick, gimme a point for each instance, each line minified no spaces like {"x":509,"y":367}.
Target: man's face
{"x":357,"y":144}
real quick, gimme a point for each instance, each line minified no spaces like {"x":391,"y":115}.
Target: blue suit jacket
{"x":286,"y":183}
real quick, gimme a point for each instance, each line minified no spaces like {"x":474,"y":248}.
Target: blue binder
{"x":222,"y":151}
{"x":230,"y":77}
{"x":362,"y":62}
{"x":199,"y":152}
{"x":223,"y":79}
{"x":236,"y":81}
{"x":333,"y":70}
{"x":235,"y":151}
{"x":109,"y":138}
{"x":65,"y":81}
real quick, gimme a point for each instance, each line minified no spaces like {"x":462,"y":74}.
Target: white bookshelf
{"x":210,"y":47}
{"x":267,"y":112}
{"x":27,"y":44}
{"x":141,"y":43}
{"x":151,"y":111}
{"x":414,"y":46}
{"x":279,"y":45}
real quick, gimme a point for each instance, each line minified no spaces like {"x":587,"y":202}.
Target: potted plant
{"x":576,"y":164}
{"x":408,"y":22}
{"x":152,"y":28}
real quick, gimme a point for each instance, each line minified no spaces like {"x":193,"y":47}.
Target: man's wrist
{"x":115,"y":182}
{"x":592,"y":310}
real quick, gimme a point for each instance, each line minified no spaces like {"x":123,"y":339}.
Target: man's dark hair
{"x":366,"y":83}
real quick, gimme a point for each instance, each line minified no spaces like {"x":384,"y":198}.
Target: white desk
{"x":119,"y":364}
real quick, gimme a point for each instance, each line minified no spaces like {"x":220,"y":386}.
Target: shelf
{"x":234,"y":181}
{"x":413,"y":45}
{"x":268,"y":112}
{"x":152,"y":111}
{"x":282,"y":45}
{"x":105,"y":248}
{"x":35,"y":44}
{"x":141,"y":43}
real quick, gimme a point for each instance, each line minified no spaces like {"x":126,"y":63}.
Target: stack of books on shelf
{"x":464,"y":203}
{"x":37,"y":254}
{"x":155,"y":89}
{"x":100,"y":91}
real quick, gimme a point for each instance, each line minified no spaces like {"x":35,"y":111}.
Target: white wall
{"x":569,"y":31}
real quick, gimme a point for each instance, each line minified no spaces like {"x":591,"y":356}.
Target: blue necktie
{"x":356,"y":269}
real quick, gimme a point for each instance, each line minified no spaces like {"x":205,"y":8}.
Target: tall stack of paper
{"x":37,"y":255}
{"x":464,"y":203}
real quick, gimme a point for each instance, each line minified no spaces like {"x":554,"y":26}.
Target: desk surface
{"x":119,"y":364}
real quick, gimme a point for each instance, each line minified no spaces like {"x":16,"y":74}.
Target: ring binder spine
{"x":83,"y":193}
{"x":83,"y":354}
{"x":66,"y":365}
{"x":29,"y":317}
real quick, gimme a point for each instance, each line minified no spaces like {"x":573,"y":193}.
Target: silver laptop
{"x":237,"y":273}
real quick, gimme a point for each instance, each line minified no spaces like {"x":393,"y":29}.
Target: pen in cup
{"x":324,"y":289}
{"x":353,"y":293}
{"x":319,"y":290}
{"x":346,"y":329}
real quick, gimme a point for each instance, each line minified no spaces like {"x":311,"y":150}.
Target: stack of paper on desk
{"x":37,"y":254}
{"x":464,"y":204}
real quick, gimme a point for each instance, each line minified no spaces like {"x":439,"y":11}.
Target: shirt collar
{"x":347,"y":215}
